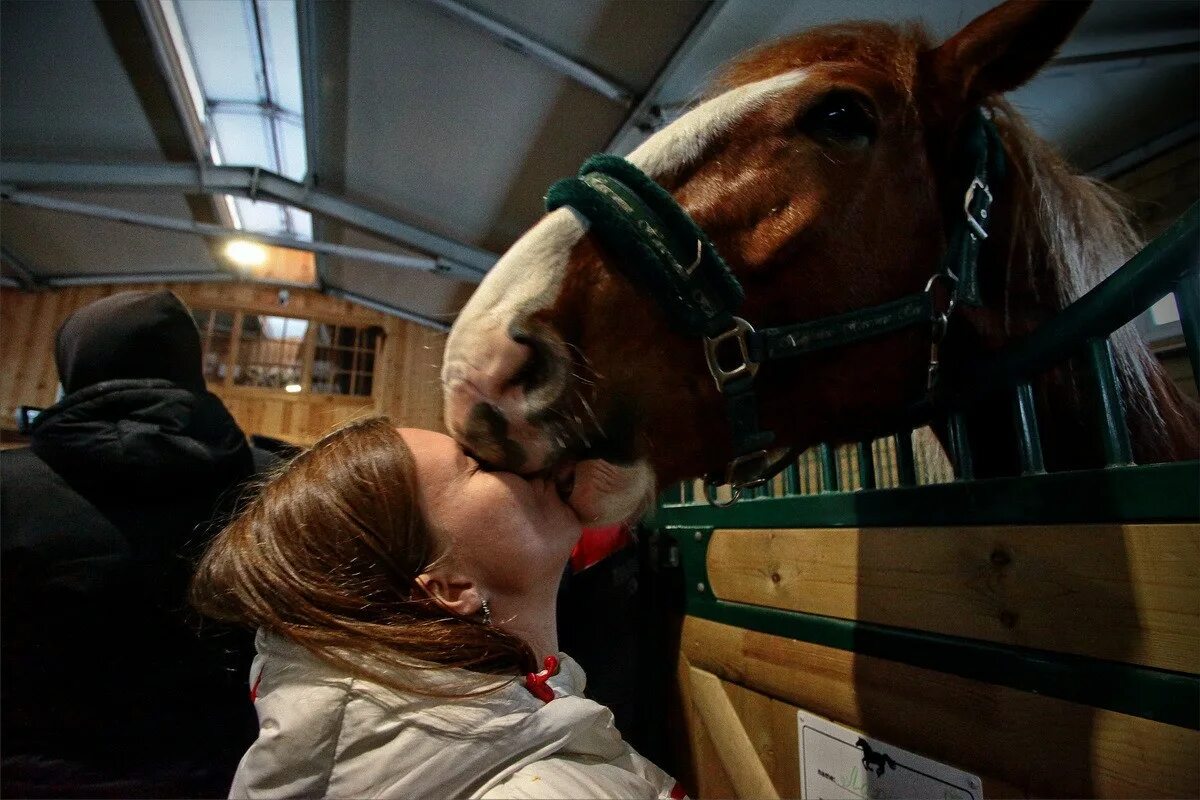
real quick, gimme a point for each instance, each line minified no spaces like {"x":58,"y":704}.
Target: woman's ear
{"x":453,"y":591}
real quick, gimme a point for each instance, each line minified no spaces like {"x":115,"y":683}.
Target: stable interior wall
{"x":405,"y":387}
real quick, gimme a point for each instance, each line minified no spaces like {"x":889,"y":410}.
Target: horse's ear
{"x":1002,"y":49}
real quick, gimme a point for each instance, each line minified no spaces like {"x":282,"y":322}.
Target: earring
{"x":487,"y":612}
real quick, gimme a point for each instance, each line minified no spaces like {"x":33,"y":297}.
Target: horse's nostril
{"x":535,"y":371}
{"x":541,"y":377}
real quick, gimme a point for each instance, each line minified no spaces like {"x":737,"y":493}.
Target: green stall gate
{"x":1039,"y":631}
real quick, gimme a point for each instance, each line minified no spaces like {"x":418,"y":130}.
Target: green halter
{"x":654,"y":242}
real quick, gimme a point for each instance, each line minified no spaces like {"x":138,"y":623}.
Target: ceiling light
{"x":245,"y":253}
{"x":292,"y":388}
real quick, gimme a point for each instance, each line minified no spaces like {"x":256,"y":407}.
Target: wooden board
{"x":1126,"y":593}
{"x":407,"y":384}
{"x":1019,"y":743}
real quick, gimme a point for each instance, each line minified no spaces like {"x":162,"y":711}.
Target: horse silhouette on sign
{"x":872,"y":760}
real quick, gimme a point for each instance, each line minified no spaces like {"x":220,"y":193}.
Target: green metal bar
{"x":1115,"y":301}
{"x":866,"y":465}
{"x":960,"y":448}
{"x":1161,"y":695}
{"x":904,"y":458}
{"x":829,"y":470}
{"x":791,"y":481}
{"x":1117,"y":449}
{"x":1144,"y":493}
{"x":1187,"y":298}
{"x":1029,"y":441}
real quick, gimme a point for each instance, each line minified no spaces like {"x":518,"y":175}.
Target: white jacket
{"x":323,"y":733}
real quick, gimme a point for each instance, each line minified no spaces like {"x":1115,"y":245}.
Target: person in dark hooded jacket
{"x":108,"y":688}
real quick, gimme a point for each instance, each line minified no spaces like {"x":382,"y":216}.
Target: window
{"x":270,"y":352}
{"x":288,"y":354}
{"x":344,"y":362}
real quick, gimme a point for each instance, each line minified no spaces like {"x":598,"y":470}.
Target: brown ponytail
{"x":327,"y":554}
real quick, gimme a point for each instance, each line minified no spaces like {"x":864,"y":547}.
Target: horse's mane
{"x":1068,"y":233}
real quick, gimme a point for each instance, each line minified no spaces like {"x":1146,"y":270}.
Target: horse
{"x":823,"y":169}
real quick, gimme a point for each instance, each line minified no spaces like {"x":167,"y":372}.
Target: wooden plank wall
{"x":406,"y":385}
{"x":1019,"y":743}
{"x":1126,"y":593}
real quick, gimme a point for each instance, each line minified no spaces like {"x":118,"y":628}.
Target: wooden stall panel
{"x":1122,"y":592}
{"x":1019,"y":743}
{"x":406,"y":386}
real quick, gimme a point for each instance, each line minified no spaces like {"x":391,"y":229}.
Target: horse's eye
{"x":843,"y":119}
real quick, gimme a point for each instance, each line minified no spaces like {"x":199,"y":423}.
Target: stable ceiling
{"x":434,"y":126}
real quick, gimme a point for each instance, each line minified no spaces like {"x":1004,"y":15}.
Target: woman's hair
{"x":327,"y":555}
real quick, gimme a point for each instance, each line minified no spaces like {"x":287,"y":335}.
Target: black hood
{"x":151,"y":432}
{"x":130,"y":335}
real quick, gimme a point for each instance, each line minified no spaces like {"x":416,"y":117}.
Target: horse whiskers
{"x":587,"y":406}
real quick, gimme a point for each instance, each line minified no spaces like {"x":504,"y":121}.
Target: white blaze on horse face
{"x":525,"y":279}
{"x":480,"y":360}
{"x":685,"y":139}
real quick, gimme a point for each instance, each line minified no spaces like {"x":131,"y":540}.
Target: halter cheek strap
{"x":662,"y":250}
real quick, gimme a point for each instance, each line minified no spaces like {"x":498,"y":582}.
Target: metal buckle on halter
{"x":712,"y":346}
{"x":977,"y":224}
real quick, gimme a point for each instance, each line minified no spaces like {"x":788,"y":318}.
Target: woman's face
{"x":509,"y":532}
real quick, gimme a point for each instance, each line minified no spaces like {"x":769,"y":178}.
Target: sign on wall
{"x":837,"y":763}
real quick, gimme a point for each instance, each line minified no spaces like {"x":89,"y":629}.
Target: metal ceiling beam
{"x":219,"y":232}
{"x":126,"y":279}
{"x":176,"y":75}
{"x":526,"y":45}
{"x":1184,"y":53}
{"x":27,"y":277}
{"x":1145,"y":152}
{"x":385,"y":308}
{"x":644,"y":115}
{"x":252,"y":182}
{"x":310,"y":60}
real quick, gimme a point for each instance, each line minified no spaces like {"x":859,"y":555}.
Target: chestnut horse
{"x":821,"y":168}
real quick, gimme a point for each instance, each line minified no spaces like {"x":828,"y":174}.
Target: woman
{"x":405,"y":600}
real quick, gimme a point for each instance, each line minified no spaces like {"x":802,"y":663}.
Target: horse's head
{"x":820,"y":167}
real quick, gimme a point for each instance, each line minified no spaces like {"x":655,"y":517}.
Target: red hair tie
{"x":535,"y":682}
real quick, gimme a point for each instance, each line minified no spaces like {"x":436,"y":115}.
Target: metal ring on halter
{"x":710,"y":494}
{"x":941,"y":320}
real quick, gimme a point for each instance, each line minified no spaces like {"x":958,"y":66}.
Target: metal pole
{"x":1117,"y":449}
{"x":960,"y":448}
{"x":421,"y":263}
{"x":1187,"y":299}
{"x":526,"y":45}
{"x":791,"y":481}
{"x":904,"y":458}
{"x":829,"y":472}
{"x":1029,"y":441}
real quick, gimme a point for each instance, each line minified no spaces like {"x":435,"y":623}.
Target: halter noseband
{"x":663,"y":251}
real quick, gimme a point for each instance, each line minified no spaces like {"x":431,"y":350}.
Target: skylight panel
{"x":245,"y":56}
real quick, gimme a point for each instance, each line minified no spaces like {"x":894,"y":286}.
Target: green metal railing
{"x":1167,"y":265}
{"x":897,"y":480}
